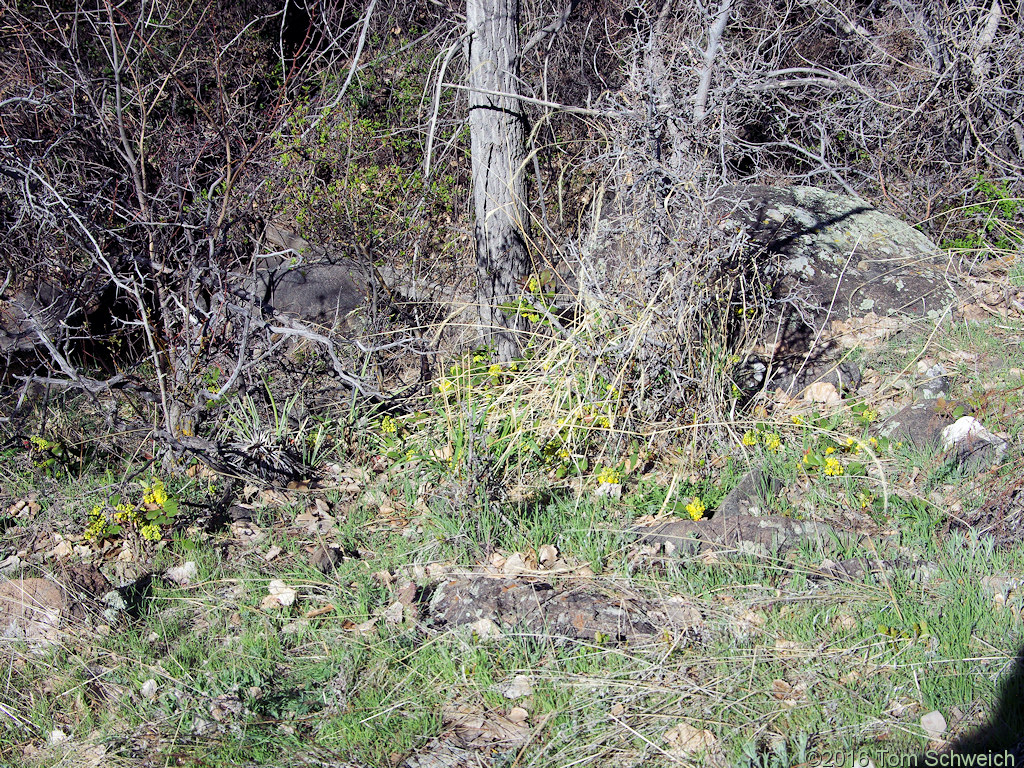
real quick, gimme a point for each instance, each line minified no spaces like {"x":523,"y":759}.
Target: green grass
{"x":784,"y":662}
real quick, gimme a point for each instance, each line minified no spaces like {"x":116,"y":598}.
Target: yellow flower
{"x":154,"y":493}
{"x":796,"y":419}
{"x":750,"y":438}
{"x":772,"y":441}
{"x":533,"y":285}
{"x":830,"y":449}
{"x":607,"y":475}
{"x":533,"y":317}
{"x":445,"y":386}
{"x":869,"y":414}
{"x":603,"y":421}
{"x":150,"y":532}
{"x":832,"y":467}
{"x":494,"y":371}
{"x":388,"y":426}
{"x":695,"y":509}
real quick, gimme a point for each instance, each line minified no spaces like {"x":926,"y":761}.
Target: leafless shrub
{"x":136,"y":140}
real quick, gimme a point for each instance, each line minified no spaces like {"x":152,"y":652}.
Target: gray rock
{"x":537,"y":606}
{"x":843,"y":255}
{"x":43,"y":307}
{"x":933,"y":383}
{"x":743,"y":534}
{"x":754,"y":494}
{"x":331,"y":291}
{"x":919,"y":424}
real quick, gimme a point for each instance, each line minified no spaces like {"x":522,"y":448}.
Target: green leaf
{"x":171,"y":506}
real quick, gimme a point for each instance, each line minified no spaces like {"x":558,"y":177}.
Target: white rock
{"x":55,"y":737}
{"x":611,"y":490}
{"x":934,"y":725}
{"x":520,"y":686}
{"x":183,"y":574}
{"x":148,"y":689}
{"x":969,"y":428}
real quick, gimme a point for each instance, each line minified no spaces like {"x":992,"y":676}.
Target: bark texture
{"x":497,"y":136}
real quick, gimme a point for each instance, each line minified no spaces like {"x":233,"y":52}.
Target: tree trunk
{"x":497,"y":136}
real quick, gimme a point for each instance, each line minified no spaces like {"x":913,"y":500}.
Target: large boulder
{"x":26,"y":312}
{"x":303,"y":280}
{"x":842,"y":257}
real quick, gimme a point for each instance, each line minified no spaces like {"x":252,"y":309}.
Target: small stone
{"x":183,"y":574}
{"x":325,"y":559}
{"x":518,"y":715}
{"x":148,"y":689}
{"x":56,"y":737}
{"x":976,"y":447}
{"x":520,"y":687}
{"x":934,"y":725}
